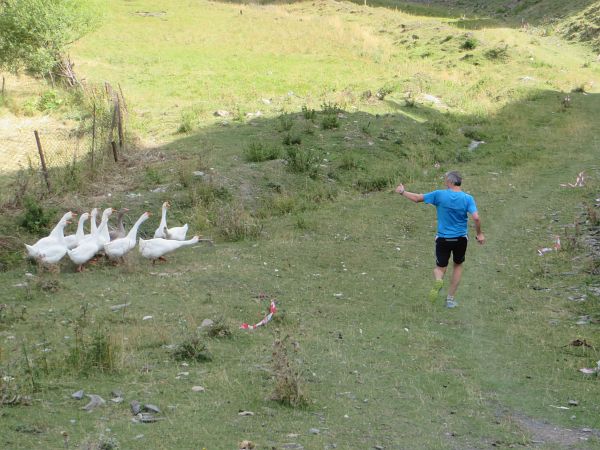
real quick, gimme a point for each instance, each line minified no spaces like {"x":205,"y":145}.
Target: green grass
{"x":318,"y":228}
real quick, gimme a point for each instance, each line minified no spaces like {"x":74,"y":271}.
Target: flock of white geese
{"x":81,"y":247}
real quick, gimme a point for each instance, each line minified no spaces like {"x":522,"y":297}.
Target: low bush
{"x":259,"y":152}
{"x":302,"y":160}
{"x":330,"y":122}
{"x":191,"y":348}
{"x":234,"y":223}
{"x":288,"y":383}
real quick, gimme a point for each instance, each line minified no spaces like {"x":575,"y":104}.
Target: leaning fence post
{"x":120,"y":124}
{"x":114,"y":148}
{"x":3,"y":83}
{"x":42,"y":159}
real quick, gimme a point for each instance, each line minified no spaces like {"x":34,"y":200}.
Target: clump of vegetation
{"x":259,"y":152}
{"x":440,"y":127}
{"x":49,"y":101}
{"x":288,"y":389}
{"x":286,"y":122}
{"x":35,"y":218}
{"x":470,"y":43}
{"x":98,"y":352}
{"x":288,"y":139}
{"x":350,"y":161}
{"x":302,"y":160}
{"x":373,"y":183}
{"x":192,"y":348}
{"x":219,"y":329}
{"x":330,"y":122}
{"x":330,"y":109}
{"x":309,"y":114}
{"x":234,"y":223}
{"x":187,"y":121}
{"x":499,"y":53}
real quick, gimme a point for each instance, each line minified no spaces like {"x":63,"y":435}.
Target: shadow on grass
{"x":314,"y":157}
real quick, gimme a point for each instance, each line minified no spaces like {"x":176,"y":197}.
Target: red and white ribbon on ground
{"x":266,"y":319}
{"x":579,"y":182}
{"x":556,"y":247}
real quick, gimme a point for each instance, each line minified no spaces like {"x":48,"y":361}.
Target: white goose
{"x":158,"y":247}
{"x":53,"y":251}
{"x":175,"y":233}
{"x":91,"y":244}
{"x":119,"y":247}
{"x":56,"y":236}
{"x":104,"y":233}
{"x":73,"y":240}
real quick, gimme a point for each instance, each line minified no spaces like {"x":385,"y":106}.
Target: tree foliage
{"x":35,"y":33}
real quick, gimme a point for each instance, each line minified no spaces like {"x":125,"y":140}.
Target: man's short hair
{"x":454,"y":178}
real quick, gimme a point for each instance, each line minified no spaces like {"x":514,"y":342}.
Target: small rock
{"x":152,"y":408}
{"x":117,"y":399}
{"x":379,"y":447}
{"x":119,"y":307}
{"x":198,"y":173}
{"x":314,"y":431}
{"x":77,"y":395}
{"x":206,"y":323}
{"x":221,"y":113}
{"x":198,"y":389}
{"x":147,"y":317}
{"x":573,"y":402}
{"x":95,"y":401}
{"x":159,"y":190}
{"x":139,"y":436}
{"x":292,"y":446}
{"x":136,"y":407}
{"x":247,"y":445}
{"x":245,"y":413}
{"x":266,"y":101}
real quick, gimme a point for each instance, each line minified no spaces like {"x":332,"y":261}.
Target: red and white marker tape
{"x":266,"y":319}
{"x":579,"y":182}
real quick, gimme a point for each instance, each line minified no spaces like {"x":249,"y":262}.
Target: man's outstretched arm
{"x":480,"y":237}
{"x":409,"y":195}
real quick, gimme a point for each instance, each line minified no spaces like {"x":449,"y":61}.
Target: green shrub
{"x":309,"y":114}
{"x":288,"y":383}
{"x":499,"y":53}
{"x":288,"y":139}
{"x":259,"y":152}
{"x":191,"y":348}
{"x":301,"y":160}
{"x":330,"y":109}
{"x":330,"y":122}
{"x":234,"y":223}
{"x":187,"y":121}
{"x":440,"y":127}
{"x":350,"y":161}
{"x":98,"y":352}
{"x":373,"y":183}
{"x":469,"y":43}
{"x":35,"y":219}
{"x":49,"y":101}
{"x":286,"y":122}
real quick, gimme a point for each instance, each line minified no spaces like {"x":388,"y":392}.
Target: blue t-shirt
{"x":452,"y":208}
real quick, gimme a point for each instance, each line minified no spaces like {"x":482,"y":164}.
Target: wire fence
{"x":55,"y":160}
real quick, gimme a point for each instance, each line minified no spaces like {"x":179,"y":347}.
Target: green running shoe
{"x":435,"y":290}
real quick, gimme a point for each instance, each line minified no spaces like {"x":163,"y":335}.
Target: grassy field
{"x":299,"y":202}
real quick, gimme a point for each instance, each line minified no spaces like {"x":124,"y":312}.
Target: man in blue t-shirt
{"x":452,"y":206}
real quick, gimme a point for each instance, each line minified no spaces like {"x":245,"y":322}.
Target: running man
{"x":452,"y":206}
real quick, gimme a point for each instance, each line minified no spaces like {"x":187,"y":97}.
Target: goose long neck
{"x":93,"y":224}
{"x":80,"y":224}
{"x":133,"y":232}
{"x":163,"y":217}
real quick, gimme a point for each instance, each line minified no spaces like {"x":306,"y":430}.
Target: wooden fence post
{"x":120,"y":124}
{"x":3,"y":83}
{"x":42,"y":159}
{"x":114,"y":149}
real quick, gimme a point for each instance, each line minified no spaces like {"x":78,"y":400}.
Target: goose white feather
{"x":73,"y":240}
{"x":120,"y":247}
{"x":175,"y":233}
{"x":56,"y":237}
{"x":91,"y":244}
{"x":158,"y":247}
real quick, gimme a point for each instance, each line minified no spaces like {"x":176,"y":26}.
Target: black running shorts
{"x":444,"y":246}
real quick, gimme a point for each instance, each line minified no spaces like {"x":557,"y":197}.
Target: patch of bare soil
{"x":543,"y":432}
